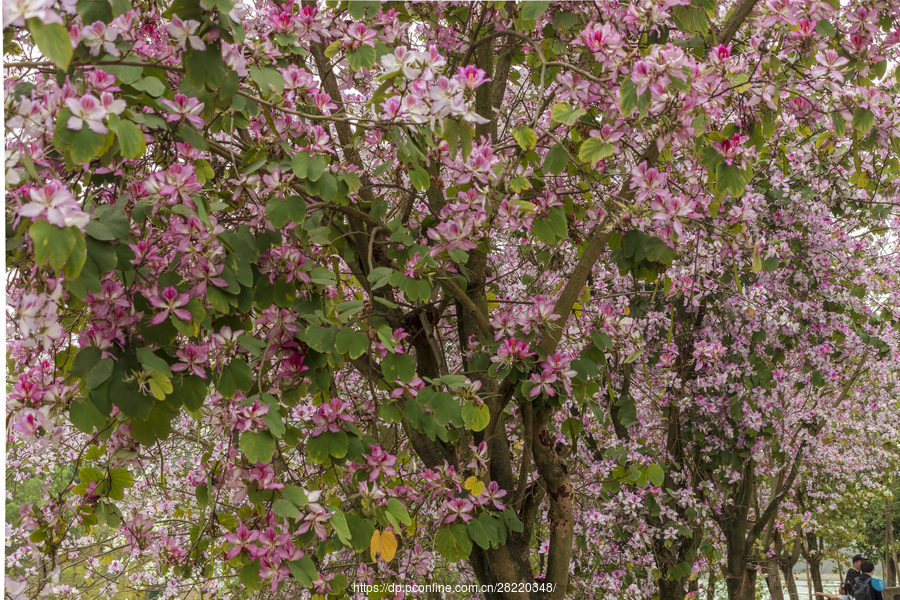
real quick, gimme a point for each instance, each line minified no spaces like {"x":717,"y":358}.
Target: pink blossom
{"x":458,"y":508}
{"x":543,"y":383}
{"x":329,"y":416}
{"x":171,"y":301}
{"x":55,"y":203}
{"x":98,"y":36}
{"x":242,"y":540}
{"x":192,"y":359}
{"x":184,"y":107}
{"x":89,"y":111}
{"x":183,"y":32}
{"x":471,"y":76}
{"x":358,"y":34}
{"x":381,"y":462}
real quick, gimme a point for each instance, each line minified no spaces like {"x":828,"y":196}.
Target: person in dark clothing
{"x":867,"y":586}
{"x":853,"y":573}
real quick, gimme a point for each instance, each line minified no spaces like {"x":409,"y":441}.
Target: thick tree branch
{"x":737,"y":18}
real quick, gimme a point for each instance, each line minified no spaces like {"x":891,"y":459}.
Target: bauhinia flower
{"x":185,"y":108}
{"x":183,"y":31}
{"x":171,"y":302}
{"x":87,"y":110}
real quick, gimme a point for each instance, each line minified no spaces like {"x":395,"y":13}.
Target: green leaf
{"x":594,"y":150}
{"x":249,"y":576}
{"x":824,"y":27}
{"x":446,"y":545}
{"x":690,"y":20}
{"x":339,"y":523}
{"x":85,"y":360}
{"x":361,"y":58}
{"x":352,"y":342}
{"x":451,"y":134}
{"x":359,"y":9}
{"x":193,"y":137}
{"x":100,"y":373}
{"x":131,"y":140}
{"x":303,"y":570}
{"x":512,"y":520}
{"x":157,"y":426}
{"x":108,"y":223}
{"x":151,"y":85}
{"x":478,"y":533}
{"x":119,"y":481}
{"x":53,"y":41}
{"x":328,"y":444}
{"x":52,"y":243}
{"x":274,"y":422}
{"x":454,"y":543}
{"x":319,"y":338}
{"x":533,"y":10}
{"x":333,"y":48}
{"x":152,"y":362}
{"x":295,"y":495}
{"x":419,"y":178}
{"x":476,"y":418}
{"x":863,"y":119}
{"x":268,"y":79}
{"x":396,"y":508}
{"x":445,"y":407}
{"x":190,"y":391}
{"x":556,"y":161}
{"x":730,"y":180}
{"x":563,"y":113}
{"x":398,"y":366}
{"x":628,"y":99}
{"x":85,"y":416}
{"x":361,"y":529}
{"x":284,"y":508}
{"x":656,"y":475}
{"x":91,"y":11}
{"x":525,"y":137}
{"x":205,"y":67}
{"x":236,"y":376}
{"x":602,"y":341}
{"x":258,"y":446}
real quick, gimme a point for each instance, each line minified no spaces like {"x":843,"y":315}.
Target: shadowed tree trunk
{"x":711,"y":585}
{"x":773,"y":578}
{"x":890,"y":550}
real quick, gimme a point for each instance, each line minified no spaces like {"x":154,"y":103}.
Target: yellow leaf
{"x":751,"y":311}
{"x":474,"y":485}
{"x":383,"y":543}
{"x":627,"y":310}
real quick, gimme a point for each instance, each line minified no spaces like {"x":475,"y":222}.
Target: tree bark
{"x":890,"y":549}
{"x":787,"y":561}
{"x":773,"y":578}
{"x":670,"y":589}
{"x":711,"y":584}
{"x":814,"y":561}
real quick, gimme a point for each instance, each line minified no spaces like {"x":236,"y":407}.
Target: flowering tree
{"x":554,"y":297}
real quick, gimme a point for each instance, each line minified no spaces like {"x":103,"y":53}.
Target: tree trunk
{"x":788,"y":572}
{"x":773,"y":579}
{"x":711,"y":584}
{"x":813,"y":556}
{"x":890,"y":549}
{"x":670,"y":589}
{"x":809,"y":589}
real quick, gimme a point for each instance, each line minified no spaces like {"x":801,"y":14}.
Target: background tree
{"x":319,"y":294}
